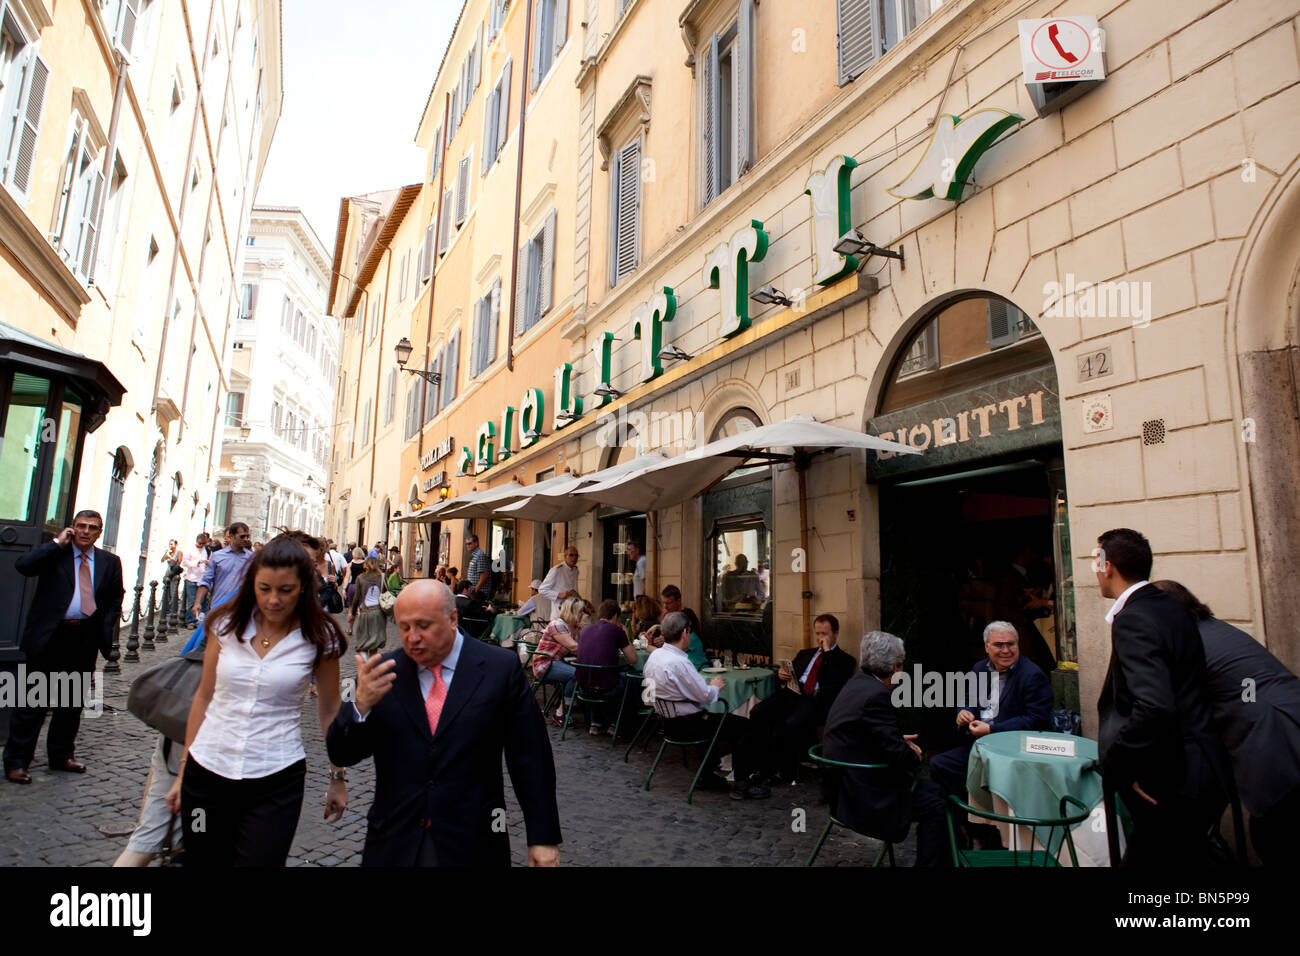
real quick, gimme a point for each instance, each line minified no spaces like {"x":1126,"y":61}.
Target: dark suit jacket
{"x":1024,"y":697}
{"x":1155,"y":704}
{"x":1256,"y":706}
{"x":55,"y":568}
{"x":452,"y":782}
{"x":836,"y":669}
{"x":863,"y":727}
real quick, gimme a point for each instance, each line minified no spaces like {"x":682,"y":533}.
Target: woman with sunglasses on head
{"x":244,"y":767}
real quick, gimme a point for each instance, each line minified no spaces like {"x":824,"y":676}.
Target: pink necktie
{"x":437,"y":697}
{"x":87,"y":587}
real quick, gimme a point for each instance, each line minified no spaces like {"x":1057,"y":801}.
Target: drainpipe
{"x":379,"y":370}
{"x":180,"y":218}
{"x":108,"y":160}
{"x":801,"y":462}
{"x":519,"y":186}
{"x":433,"y":273}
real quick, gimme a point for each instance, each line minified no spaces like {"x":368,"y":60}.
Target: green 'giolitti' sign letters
{"x":942,"y":171}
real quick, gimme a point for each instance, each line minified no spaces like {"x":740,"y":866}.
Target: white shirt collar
{"x":1121,"y":601}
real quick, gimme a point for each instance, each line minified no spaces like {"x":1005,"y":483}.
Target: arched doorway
{"x":975,"y":529}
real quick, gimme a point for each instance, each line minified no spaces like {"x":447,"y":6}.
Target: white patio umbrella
{"x":553,"y":500}
{"x":475,"y":504}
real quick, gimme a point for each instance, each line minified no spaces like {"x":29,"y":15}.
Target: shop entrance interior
{"x":964,"y":548}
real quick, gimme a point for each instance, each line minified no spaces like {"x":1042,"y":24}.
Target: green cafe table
{"x":1004,"y":777}
{"x":744,"y":686}
{"x":505,"y":625}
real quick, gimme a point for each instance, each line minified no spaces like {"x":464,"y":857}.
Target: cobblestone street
{"x":608,"y":817}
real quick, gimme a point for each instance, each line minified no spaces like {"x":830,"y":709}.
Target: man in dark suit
{"x":73,"y":616}
{"x":863,"y":727}
{"x":1255,"y":700}
{"x":437,"y":715}
{"x":784,"y":726}
{"x":1023,"y":702}
{"x":1157,"y":748}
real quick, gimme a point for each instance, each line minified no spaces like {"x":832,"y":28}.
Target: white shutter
{"x":401,"y":277}
{"x":743,"y":58}
{"x":27,"y":123}
{"x":477,"y":59}
{"x":476,"y":336}
{"x":128,"y":15}
{"x":453,"y":116}
{"x":446,"y":212}
{"x":89,"y":220}
{"x":492,"y":315}
{"x":535,"y":67}
{"x":859,"y":37}
{"x":561,"y":30}
{"x":711,"y":112}
{"x":252,"y":302}
{"x":427,"y":253}
{"x":452,"y":366}
{"x":437,"y":153}
{"x":489,"y":132}
{"x":521,"y":288}
{"x":627,"y":217}
{"x":462,"y":192}
{"x":548,"y":264}
{"x":503,"y":107}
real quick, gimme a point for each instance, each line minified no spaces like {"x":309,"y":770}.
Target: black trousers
{"x":782,"y":728}
{"x":1175,"y":832}
{"x":71,"y":649}
{"x":702,"y":726}
{"x":240,"y":822}
{"x":931,"y":825}
{"x":1276,"y":834}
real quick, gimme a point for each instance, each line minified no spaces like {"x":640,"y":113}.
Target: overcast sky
{"x":354,"y":88}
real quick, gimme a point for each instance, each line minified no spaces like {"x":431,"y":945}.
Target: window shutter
{"x":548,"y":264}
{"x":445,"y":239}
{"x":453,"y":116}
{"x":252,"y":302}
{"x":1003,"y":327}
{"x":629,"y":212}
{"x":427,"y":253}
{"x":521,"y":288}
{"x":859,"y":37}
{"x":744,"y":88}
{"x":90,"y":216}
{"x":492,"y":315}
{"x":489,"y":132}
{"x":477,"y":59}
{"x":711,"y":114}
{"x":27,"y":124}
{"x":476,"y":337}
{"x":452,"y":366}
{"x":535,"y":67}
{"x":437,"y":153}
{"x":431,"y":390}
{"x":127,"y":17}
{"x":561,"y":32}
{"x":462,"y":192}
{"x":503,"y":107}
{"x":410,"y":413}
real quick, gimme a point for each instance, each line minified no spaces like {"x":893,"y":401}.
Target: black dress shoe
{"x":18,"y":775}
{"x":753,"y":792}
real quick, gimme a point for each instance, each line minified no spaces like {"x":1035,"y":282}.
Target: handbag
{"x":162,"y":695}
{"x":386,"y":602}
{"x":329,"y":598}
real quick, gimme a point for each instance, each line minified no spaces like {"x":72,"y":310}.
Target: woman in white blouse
{"x":244,"y":769}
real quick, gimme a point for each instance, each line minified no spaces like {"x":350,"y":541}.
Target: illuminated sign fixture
{"x":838,"y":251}
{"x":1061,"y":58}
{"x":437,"y":454}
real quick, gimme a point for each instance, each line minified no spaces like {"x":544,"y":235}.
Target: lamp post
{"x":402,"y":352}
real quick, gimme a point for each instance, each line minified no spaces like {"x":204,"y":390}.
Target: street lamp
{"x":854,"y":243}
{"x":402,"y":352}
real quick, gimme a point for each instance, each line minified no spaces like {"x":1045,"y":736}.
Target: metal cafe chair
{"x":642,"y":712}
{"x":549,"y":698}
{"x":838,"y":766}
{"x":588,"y":697}
{"x":1015,"y":856}
{"x":667,"y":710}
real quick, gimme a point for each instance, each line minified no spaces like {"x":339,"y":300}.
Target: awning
{"x":553,"y":500}
{"x":475,"y":504}
{"x":677,"y":479}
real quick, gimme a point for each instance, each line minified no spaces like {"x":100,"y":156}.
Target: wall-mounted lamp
{"x":771,"y":295}
{"x":671,"y":353}
{"x":402,"y":352}
{"x":854,"y":243}
{"x":602,"y":390}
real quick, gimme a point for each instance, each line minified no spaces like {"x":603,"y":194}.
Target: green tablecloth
{"x":741,"y":684}
{"x":504,"y":625}
{"x":1032,"y":784}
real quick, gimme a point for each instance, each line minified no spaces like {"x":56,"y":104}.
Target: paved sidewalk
{"x":608,"y":818}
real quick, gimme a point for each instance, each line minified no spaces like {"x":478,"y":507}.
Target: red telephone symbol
{"x":1066,"y":55}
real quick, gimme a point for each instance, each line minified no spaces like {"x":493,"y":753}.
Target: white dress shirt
{"x":675,"y":678}
{"x":194,"y":561}
{"x":638,"y":578}
{"x":559,"y":579}
{"x":1121,"y":601}
{"x":803,"y":678}
{"x":73,"y":613}
{"x":253,"y":727}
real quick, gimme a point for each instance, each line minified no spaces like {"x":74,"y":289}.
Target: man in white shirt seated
{"x":529,"y":607}
{"x":560,"y":582}
{"x":680,"y":686}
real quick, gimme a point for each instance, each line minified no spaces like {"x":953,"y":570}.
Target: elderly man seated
{"x":1023,"y":702}
{"x":679,"y":685}
{"x":863,"y":727}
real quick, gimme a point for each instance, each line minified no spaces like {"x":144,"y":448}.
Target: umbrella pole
{"x":801,"y":466}
{"x":654,"y":564}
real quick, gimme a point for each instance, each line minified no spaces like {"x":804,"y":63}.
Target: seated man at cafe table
{"x":603,"y":644}
{"x":784,"y":726}
{"x":740,"y":587}
{"x":685,"y":693}
{"x":1023,"y":702}
{"x":863,"y":727}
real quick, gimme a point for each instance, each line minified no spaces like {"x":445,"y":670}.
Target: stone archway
{"x":1264,"y":320}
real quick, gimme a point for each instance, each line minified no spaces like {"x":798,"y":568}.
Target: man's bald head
{"x":425,"y":613}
